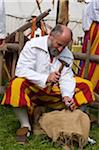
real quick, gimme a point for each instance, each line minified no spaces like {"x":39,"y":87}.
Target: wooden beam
{"x":62,"y":12}
{"x":21,"y":41}
{"x":13,"y":47}
{"x":10,"y":47}
{"x":87,"y":60}
{"x":83,"y":56}
{"x":14,"y":61}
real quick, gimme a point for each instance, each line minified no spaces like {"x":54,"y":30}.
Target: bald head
{"x":63,"y":32}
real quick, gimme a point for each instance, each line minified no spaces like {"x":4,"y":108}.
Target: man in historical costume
{"x":90,"y":25}
{"x":38,"y":66}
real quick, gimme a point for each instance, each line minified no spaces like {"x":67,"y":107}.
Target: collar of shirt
{"x":40,"y":42}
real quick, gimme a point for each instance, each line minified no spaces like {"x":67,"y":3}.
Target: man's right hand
{"x":53,"y":77}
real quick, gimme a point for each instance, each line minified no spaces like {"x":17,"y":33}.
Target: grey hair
{"x":57,"y":29}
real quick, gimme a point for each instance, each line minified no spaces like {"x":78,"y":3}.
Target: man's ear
{"x":50,"y":36}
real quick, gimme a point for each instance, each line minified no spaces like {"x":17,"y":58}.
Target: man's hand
{"x":69,"y":102}
{"x":53,"y":77}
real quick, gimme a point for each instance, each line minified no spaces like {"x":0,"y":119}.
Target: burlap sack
{"x":66,"y":127}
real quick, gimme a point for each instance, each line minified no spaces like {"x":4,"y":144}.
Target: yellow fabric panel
{"x":79,"y":79}
{"x":27,"y":100}
{"x":92,"y":30}
{"x":16,"y":85}
{"x":56,"y":89}
{"x":95,"y":76}
{"x":81,"y":99}
{"x":76,"y":48}
{"x":95,"y":44}
{"x":3,"y":99}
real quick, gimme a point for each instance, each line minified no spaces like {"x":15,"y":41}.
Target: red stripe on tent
{"x":95,"y":32}
{"x":91,"y":71}
{"x":86,"y":38}
{"x":97,"y":50}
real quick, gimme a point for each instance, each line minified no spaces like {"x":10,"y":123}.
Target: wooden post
{"x":17,"y":37}
{"x":83,"y":56}
{"x":62,"y":12}
{"x":14,"y":64}
{"x":6,"y":70}
{"x":87,"y":60}
{"x":15,"y":55}
{"x":21,"y":41}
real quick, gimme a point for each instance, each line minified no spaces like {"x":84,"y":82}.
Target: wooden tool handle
{"x":50,"y":85}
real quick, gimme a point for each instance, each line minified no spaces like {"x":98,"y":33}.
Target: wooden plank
{"x":6,"y":70}
{"x":10,"y":47}
{"x":62,"y":12}
{"x":87,"y":60}
{"x":83,"y":56}
{"x":21,"y":41}
{"x":14,"y":64}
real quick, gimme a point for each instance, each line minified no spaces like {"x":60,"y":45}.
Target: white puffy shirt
{"x":90,"y":14}
{"x":34,"y":65}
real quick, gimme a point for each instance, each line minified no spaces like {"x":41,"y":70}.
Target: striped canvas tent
{"x":93,"y":36}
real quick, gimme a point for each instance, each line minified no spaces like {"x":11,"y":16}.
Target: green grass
{"x":9,"y":125}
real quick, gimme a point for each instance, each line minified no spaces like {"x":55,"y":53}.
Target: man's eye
{"x":59,"y":44}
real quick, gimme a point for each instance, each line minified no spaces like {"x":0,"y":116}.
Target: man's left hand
{"x":69,"y":102}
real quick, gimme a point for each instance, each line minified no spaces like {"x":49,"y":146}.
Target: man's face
{"x":56,"y":44}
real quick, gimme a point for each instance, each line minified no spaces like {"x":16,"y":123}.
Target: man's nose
{"x":60,"y":48}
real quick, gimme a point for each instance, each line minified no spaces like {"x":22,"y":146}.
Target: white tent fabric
{"x":18,"y":11}
{"x":24,"y":9}
{"x":2,"y":20}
